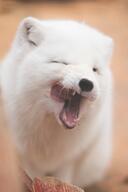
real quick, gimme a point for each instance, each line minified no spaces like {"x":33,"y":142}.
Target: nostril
{"x":85,"y":85}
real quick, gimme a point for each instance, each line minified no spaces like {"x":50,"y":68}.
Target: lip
{"x":72,"y":103}
{"x":59,"y":93}
{"x":69,"y":114}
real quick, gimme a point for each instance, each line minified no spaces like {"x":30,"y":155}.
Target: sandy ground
{"x":110,"y":17}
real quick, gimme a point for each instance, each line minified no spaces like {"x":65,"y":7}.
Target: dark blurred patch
{"x":125,"y":181}
{"x":35,"y":1}
{"x":59,"y":0}
{"x":7,"y":6}
{"x":94,"y":188}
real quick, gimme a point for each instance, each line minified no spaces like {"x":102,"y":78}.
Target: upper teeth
{"x":73,"y":93}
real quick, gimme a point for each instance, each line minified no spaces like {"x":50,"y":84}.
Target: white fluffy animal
{"x":57,"y":89}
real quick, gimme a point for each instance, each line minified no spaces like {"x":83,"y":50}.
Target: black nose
{"x":85,"y":85}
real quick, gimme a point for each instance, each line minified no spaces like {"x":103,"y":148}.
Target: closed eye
{"x":61,"y":62}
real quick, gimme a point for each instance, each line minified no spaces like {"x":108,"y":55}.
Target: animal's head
{"x":63,"y":67}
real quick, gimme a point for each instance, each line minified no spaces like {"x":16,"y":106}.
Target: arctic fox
{"x":57,"y":88}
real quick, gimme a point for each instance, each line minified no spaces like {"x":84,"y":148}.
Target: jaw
{"x":70,"y":113}
{"x":71,"y":102}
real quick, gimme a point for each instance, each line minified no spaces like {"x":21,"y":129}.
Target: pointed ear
{"x":30,"y":31}
{"x":108,"y":49}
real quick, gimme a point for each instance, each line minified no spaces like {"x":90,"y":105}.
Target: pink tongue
{"x":70,"y":112}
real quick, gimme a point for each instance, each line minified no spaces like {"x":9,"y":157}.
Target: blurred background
{"x":109,"y":16}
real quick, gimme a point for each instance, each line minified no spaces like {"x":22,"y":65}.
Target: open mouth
{"x":69,"y":114}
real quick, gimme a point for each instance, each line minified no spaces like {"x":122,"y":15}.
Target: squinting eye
{"x":54,"y":61}
{"x":61,"y":62}
{"x":95,"y":69}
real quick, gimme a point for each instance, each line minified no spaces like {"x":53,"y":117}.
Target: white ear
{"x":108,"y":48}
{"x":30,"y":31}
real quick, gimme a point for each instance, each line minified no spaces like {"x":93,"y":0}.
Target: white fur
{"x":80,"y":155}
